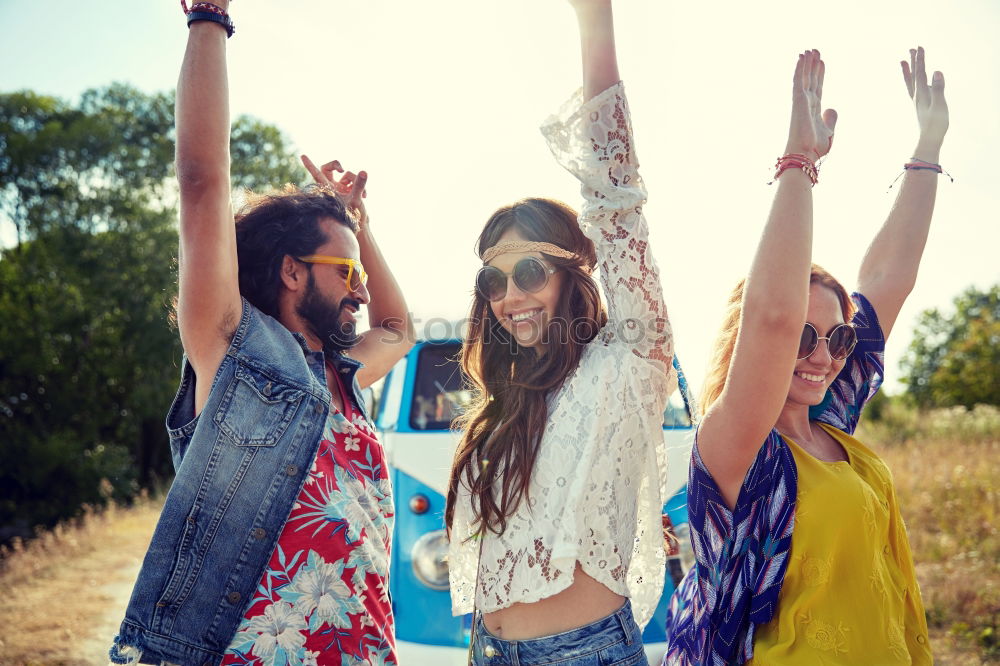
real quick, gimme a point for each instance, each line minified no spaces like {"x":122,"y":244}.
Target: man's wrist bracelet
{"x":222,"y":19}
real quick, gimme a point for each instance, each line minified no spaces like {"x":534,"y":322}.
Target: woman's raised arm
{"x":592,"y":138}
{"x":775,"y":298}
{"x":889,"y":269}
{"x":597,"y":45}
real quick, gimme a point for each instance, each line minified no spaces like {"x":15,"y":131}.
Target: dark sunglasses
{"x":530,"y":275}
{"x":841,"y":340}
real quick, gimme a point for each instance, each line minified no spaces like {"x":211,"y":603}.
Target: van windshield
{"x":440,"y":392}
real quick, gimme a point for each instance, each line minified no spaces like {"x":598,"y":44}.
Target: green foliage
{"x":875,"y":409}
{"x":98,"y":164}
{"x":896,"y":420}
{"x":87,"y":365}
{"x":261,"y":160}
{"x":72,"y":165}
{"x":955,"y":360}
{"x":88,"y":359}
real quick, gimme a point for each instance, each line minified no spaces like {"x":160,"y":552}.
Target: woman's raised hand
{"x":597,"y":45}
{"x":584,"y":5}
{"x":811,"y":129}
{"x":932,"y":109}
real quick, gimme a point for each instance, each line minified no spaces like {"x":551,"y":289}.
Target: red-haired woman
{"x":555,"y":496}
{"x":802,"y":557}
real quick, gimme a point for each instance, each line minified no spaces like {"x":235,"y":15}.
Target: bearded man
{"x":274,"y":538}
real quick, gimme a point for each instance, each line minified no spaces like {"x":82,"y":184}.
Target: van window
{"x":439,"y":391}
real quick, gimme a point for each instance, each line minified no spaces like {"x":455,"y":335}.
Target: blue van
{"x":418,"y":400}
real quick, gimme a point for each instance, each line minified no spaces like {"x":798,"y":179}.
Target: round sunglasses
{"x":840,"y":340}
{"x":529,"y":274}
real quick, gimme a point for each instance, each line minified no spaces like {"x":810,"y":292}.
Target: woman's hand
{"x":588,"y":5}
{"x":811,"y":129}
{"x":595,"y":20}
{"x":350,"y":188}
{"x":932,"y":109}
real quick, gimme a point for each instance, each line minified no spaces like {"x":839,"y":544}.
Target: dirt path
{"x":94,"y":649}
{"x":66,"y":592}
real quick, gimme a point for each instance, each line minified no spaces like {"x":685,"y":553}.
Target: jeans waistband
{"x":615,"y":628}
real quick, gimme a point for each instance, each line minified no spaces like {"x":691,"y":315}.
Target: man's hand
{"x":349,"y":188}
{"x":391,"y":334}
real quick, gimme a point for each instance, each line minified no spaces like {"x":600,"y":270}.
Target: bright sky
{"x":440,"y":102}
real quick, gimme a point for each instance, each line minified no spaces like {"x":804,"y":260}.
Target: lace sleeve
{"x":593,"y":141}
{"x":861,"y":376}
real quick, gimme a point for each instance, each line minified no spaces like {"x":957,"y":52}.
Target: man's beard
{"x":323,"y":319}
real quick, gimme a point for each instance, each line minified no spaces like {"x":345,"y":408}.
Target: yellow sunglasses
{"x":356,"y":275}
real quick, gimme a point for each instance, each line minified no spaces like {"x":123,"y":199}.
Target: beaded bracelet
{"x":202,"y":6}
{"x":920,"y":165}
{"x":796,"y":161}
{"x":207,"y":7}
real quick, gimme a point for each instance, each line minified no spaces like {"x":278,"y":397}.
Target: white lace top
{"x":598,"y":485}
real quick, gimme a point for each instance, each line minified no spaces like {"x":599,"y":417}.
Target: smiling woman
{"x":536,"y":276}
{"x":556,"y":490}
{"x":783,"y":500}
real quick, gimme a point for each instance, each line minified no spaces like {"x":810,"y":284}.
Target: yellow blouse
{"x":850,"y":595}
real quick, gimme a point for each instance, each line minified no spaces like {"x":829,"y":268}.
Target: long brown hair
{"x":725,"y":344}
{"x":508,"y":414}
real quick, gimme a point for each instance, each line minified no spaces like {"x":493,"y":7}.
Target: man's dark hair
{"x":270,"y":226}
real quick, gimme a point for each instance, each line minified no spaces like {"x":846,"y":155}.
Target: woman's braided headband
{"x":526,"y":246}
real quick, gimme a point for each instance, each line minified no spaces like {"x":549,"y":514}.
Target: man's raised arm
{"x":209,"y":299}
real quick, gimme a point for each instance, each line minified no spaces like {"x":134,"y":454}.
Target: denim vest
{"x":240,"y":465}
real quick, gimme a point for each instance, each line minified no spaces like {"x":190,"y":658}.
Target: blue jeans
{"x":615,"y":640}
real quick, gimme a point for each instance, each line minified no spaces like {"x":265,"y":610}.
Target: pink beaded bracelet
{"x":796,"y":161}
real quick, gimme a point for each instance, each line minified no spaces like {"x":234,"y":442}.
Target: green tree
{"x":955,"y":359}
{"x":100,"y":164}
{"x":88,"y":359}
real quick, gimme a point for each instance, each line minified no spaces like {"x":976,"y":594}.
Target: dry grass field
{"x":65,"y":590}
{"x":945,"y":465}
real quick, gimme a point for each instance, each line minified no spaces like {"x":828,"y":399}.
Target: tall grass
{"x":944,"y":463}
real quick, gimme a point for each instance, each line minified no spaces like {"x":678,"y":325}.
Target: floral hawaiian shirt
{"x":324,"y":597}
